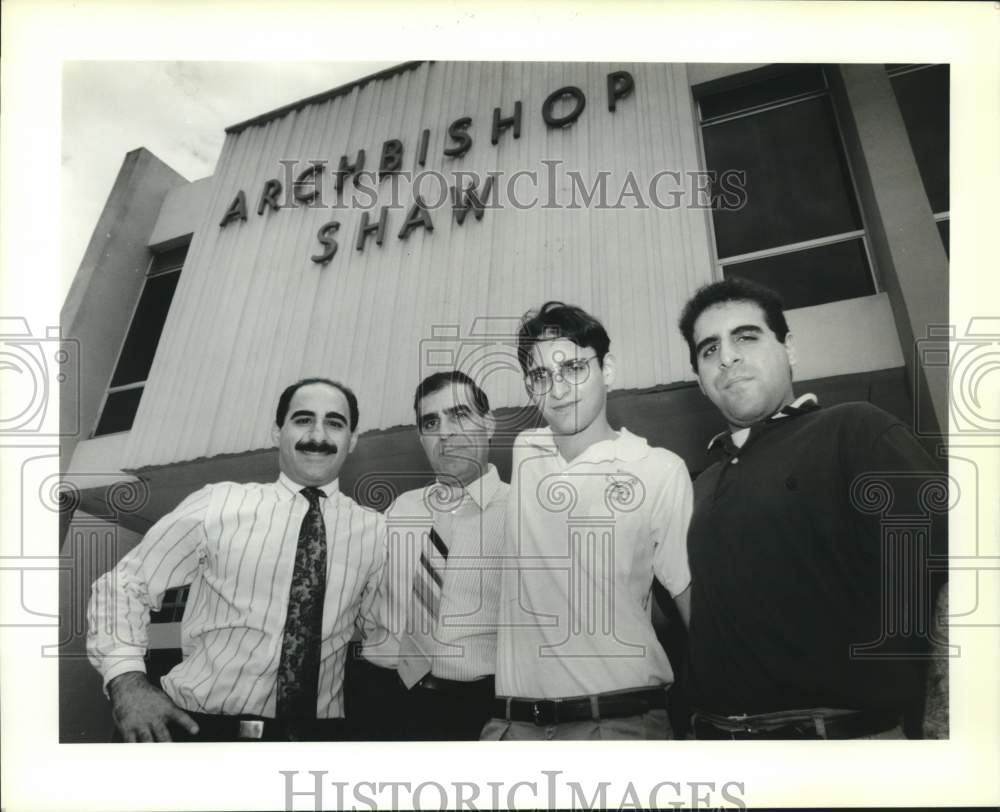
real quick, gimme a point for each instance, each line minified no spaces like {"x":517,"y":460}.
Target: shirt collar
{"x":293,"y":488}
{"x":803,"y":403}
{"x":480,"y":490}
{"x":626,"y":447}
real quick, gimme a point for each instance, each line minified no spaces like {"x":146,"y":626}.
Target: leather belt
{"x":255,"y":728}
{"x":816,"y":723}
{"x":611,"y":705}
{"x":478,"y":687}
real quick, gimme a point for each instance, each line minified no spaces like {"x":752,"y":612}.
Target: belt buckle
{"x":251,"y":729}
{"x":539,"y":716}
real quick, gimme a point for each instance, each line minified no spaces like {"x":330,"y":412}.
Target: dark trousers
{"x":450,"y":711}
{"x":375,"y":701}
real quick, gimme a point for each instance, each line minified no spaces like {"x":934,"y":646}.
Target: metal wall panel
{"x":253,"y":312}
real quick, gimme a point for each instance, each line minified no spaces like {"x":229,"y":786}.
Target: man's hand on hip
{"x":143,"y":712}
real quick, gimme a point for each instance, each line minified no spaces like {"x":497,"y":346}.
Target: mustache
{"x":322,"y":448}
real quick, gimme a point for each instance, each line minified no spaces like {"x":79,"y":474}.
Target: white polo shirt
{"x":584,"y":540}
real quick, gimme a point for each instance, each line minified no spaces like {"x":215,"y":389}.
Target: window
{"x":922,"y":93}
{"x":800,"y":229}
{"x":143,"y":335}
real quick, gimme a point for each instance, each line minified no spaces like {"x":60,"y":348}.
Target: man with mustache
{"x":280,"y":573}
{"x":796,"y":585}
{"x":442,"y":579}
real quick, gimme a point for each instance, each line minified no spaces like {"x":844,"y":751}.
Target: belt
{"x":815,"y":723}
{"x":613,"y":704}
{"x":477,"y":687}
{"x":256,"y":728}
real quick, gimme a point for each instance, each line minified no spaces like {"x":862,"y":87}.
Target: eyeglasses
{"x":574,"y":372}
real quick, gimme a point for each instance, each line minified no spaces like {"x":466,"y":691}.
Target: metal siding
{"x":253,"y":313}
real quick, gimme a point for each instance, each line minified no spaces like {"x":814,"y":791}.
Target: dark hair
{"x":286,"y":399}
{"x":733,"y":289}
{"x":559,"y":320}
{"x":439,"y":380}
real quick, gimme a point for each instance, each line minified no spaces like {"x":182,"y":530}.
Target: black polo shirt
{"x":810,"y":540}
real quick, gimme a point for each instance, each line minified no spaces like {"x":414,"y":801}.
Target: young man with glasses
{"x":593,"y":515}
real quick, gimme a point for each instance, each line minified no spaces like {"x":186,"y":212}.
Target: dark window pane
{"x":144,"y":332}
{"x":119,"y":411}
{"x":172,"y":608}
{"x":943,"y":230}
{"x":172,"y":259}
{"x":758,"y":92}
{"x":797,"y":184}
{"x":815,"y":276}
{"x":923,"y":97}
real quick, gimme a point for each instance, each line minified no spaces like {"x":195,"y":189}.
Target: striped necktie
{"x":425,"y":607}
{"x":298,"y":670}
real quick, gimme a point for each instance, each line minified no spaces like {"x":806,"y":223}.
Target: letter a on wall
{"x":237,"y":210}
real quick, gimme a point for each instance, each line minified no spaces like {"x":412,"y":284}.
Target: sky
{"x":176,"y":110}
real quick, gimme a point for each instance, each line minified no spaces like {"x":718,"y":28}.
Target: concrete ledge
{"x":841,"y":338}
{"x":182,"y":212}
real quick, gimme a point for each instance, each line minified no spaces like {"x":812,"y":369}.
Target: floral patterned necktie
{"x":298,"y":670}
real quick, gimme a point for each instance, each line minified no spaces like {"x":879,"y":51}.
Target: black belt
{"x":614,"y":704}
{"x":477,"y":687}
{"x":256,"y":728}
{"x":818,"y":723}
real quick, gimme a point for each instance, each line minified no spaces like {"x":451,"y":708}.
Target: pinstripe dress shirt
{"x":462,"y":643}
{"x":235,"y":544}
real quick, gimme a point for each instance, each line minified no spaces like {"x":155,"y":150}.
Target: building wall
{"x":182,"y":213}
{"x":107,"y":285}
{"x":253,"y":312}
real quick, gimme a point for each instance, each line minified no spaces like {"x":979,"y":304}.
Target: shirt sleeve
{"x":671,"y":515}
{"x":916,"y":483}
{"x":372,"y":615}
{"x":168,"y":556}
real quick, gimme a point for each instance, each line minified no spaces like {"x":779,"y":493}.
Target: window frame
{"x":894,"y":70}
{"x":112,"y":390}
{"x":763,"y":75}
